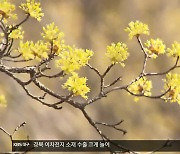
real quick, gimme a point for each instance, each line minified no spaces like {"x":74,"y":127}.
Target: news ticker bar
{"x":95,"y":145}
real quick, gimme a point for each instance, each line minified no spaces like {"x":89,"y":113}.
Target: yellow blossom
{"x":40,"y":50}
{"x":17,"y":33}
{"x":30,"y":50}
{"x":57,"y":46}
{"x":6,"y":10}
{"x":3,"y":102}
{"x":175,"y":50}
{"x":136,"y":99}
{"x":1,"y":37}
{"x":77,"y":85}
{"x":54,"y":37}
{"x":136,"y":28}
{"x":73,"y":59}
{"x":25,"y":50}
{"x":141,"y":86}
{"x":117,"y":53}
{"x":33,"y":8}
{"x":155,"y":47}
{"x":172,"y":82}
{"x":52,"y":32}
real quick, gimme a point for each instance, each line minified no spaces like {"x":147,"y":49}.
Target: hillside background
{"x":94,"y":25}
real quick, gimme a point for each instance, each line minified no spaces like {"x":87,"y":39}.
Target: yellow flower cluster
{"x":155,"y":47}
{"x":30,"y":50}
{"x":51,"y":32}
{"x":175,"y":50}
{"x":172,"y":81}
{"x":17,"y":33}
{"x":33,"y":8}
{"x":77,"y":85}
{"x":54,"y":36}
{"x":53,"y":43}
{"x":117,"y":53}
{"x":136,"y":28}
{"x":6,"y":9}
{"x":3,"y":102}
{"x":141,"y":86}
{"x":73,"y":59}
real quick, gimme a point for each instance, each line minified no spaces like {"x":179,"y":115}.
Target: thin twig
{"x":5,"y":131}
{"x":165,"y":72}
{"x":94,"y":69}
{"x":15,"y":130}
{"x":102,"y":135}
{"x":18,"y":127}
{"x":19,"y":24}
{"x":113,"y":126}
{"x":114,"y":82}
{"x":153,"y":97}
{"x":167,"y":143}
{"x":61,"y":73}
{"x":107,"y":70}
